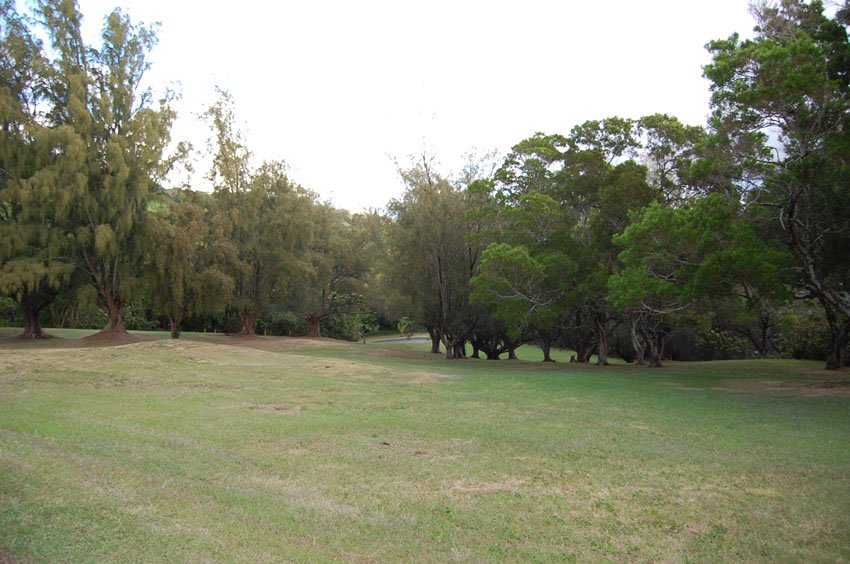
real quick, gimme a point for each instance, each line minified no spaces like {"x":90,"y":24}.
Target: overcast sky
{"x":338,"y":89}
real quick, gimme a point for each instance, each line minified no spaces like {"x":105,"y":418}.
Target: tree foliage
{"x":119,"y":136}
{"x":261,"y":220}
{"x":789,"y":86}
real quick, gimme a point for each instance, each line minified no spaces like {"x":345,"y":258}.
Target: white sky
{"x":338,"y":88}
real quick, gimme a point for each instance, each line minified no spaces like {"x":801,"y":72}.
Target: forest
{"x":643,"y":239}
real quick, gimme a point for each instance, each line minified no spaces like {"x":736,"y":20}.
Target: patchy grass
{"x":224,"y":448}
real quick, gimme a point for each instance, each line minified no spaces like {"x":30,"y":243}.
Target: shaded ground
{"x":820,"y":387}
{"x":403,"y":340}
{"x":10,"y":339}
{"x":809,"y":380}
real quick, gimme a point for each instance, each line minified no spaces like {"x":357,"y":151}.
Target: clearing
{"x":224,"y":448}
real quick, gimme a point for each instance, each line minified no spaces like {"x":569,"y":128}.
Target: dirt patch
{"x":7,"y":559}
{"x":839,"y":388}
{"x":818,"y":388}
{"x":17,"y":342}
{"x":283,"y":409}
{"x":270,"y":344}
{"x":111,"y":339}
{"x":387,"y":352}
{"x":468,"y":486}
{"x":420,"y":378}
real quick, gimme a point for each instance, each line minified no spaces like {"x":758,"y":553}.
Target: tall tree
{"x":789,"y":87}
{"x":526,"y":278}
{"x":38,"y":164}
{"x":677,"y":259}
{"x":592,"y":176}
{"x":181,"y":278}
{"x":338,"y":259}
{"x":261,"y":220}
{"x":433,"y":257}
{"x":669,"y":150}
{"x":122,"y":135}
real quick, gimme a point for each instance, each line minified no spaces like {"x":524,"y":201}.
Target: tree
{"x":669,"y":150}
{"x":338,"y":258}
{"x":593,"y":181}
{"x":789,"y":87}
{"x":37,"y":164}
{"x":121,"y":137}
{"x":433,"y":258}
{"x":676,"y":259}
{"x":180,"y":278}
{"x":525,"y":279}
{"x":260,"y":220}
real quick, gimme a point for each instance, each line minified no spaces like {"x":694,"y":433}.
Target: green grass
{"x":218,"y":448}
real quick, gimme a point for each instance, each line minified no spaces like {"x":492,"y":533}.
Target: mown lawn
{"x":221,"y":448}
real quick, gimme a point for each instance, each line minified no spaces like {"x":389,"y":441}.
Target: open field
{"x":225,"y":448}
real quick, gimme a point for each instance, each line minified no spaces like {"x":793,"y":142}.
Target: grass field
{"x":223,"y":448}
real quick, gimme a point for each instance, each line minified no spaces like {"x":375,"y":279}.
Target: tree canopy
{"x":620,"y":237}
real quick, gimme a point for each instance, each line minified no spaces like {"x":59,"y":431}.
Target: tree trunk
{"x":602,"y":336}
{"x":174,"y":325}
{"x":32,"y":327}
{"x":114,"y":315}
{"x":313,"y":329}
{"x":460,"y":349}
{"x":512,"y":353}
{"x":435,"y":340}
{"x":583,"y":355}
{"x":765,"y":325}
{"x":656,"y":342}
{"x":638,"y":344}
{"x":546,"y":345}
{"x":456,"y":348}
{"x":837,"y":358}
{"x":248,"y":320}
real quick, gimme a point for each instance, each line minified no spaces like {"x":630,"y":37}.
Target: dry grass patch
{"x":825,"y":386}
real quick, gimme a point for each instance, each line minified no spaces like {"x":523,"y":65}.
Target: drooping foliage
{"x":119,"y":135}
{"x":261,"y":220}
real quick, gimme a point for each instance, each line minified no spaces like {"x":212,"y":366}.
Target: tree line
{"x":640,"y":238}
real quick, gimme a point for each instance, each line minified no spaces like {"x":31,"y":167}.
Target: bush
{"x":10,"y":313}
{"x":349,"y":327}
{"x":721,"y":345}
{"x":75,"y":310}
{"x":281,"y":323}
{"x":806,"y":333}
{"x":136,"y":318}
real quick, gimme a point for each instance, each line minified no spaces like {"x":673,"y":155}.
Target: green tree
{"x":525,"y":279}
{"x":789,"y":87}
{"x":338,"y":257}
{"x":180,"y":278}
{"x":593,"y":180}
{"x":670,"y":149}
{"x":122,"y":136}
{"x":433,"y":258}
{"x":260,"y":224}
{"x":36,"y":161}
{"x":677,"y":259}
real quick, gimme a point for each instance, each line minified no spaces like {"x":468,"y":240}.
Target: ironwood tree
{"x":35,"y":161}
{"x":261,"y":220}
{"x":121,"y":134}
